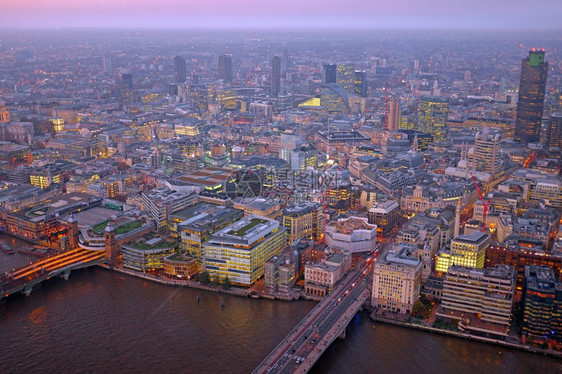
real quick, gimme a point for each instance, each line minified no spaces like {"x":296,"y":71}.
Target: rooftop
{"x":501,"y":272}
{"x":95,"y":215}
{"x":403,"y":254}
{"x":476,"y":237}
{"x":152,"y":243}
{"x":347,"y":226}
{"x":203,"y":215}
{"x":179,"y":257}
{"x":246,"y":231}
{"x":243,"y":229}
{"x":207,"y":177}
{"x":301,"y":208}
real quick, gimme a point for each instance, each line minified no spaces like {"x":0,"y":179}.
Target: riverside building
{"x":397,"y":279}
{"x":239,"y":251}
{"x":479,"y":299}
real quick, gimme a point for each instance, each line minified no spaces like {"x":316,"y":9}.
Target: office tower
{"x":299,"y":159}
{"x":180,"y":69}
{"x":127,"y":81}
{"x":239,"y":251}
{"x":223,"y":95}
{"x":554,"y":133}
{"x":532,"y":88}
{"x":361,"y":83}
{"x":480,"y":299}
{"x":286,"y":61}
{"x":340,"y":197}
{"x":466,"y":250}
{"x":542,"y":312}
{"x":107,"y":64}
{"x":397,"y":279}
{"x":275,"y":75}
{"x":268,"y":52}
{"x":433,"y":117}
{"x":330,"y":74}
{"x":196,"y":224}
{"x":394,"y":114}
{"x":384,"y":214}
{"x":346,"y":77}
{"x":470,"y":250}
{"x":225,"y":68}
{"x":486,"y":153}
{"x":304,"y":220}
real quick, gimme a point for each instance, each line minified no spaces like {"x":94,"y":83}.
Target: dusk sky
{"x":284,"y":14}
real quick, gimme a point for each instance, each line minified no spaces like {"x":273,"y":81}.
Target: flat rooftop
{"x":95,"y":215}
{"x":245,"y":231}
{"x":207,"y":177}
{"x":476,"y":237}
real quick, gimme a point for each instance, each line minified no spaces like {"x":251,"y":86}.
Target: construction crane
{"x":485,"y":204}
{"x":344,"y":161}
{"x":532,"y":157}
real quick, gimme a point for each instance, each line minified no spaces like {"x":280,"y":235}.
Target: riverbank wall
{"x":196,"y":285}
{"x":457,"y":334}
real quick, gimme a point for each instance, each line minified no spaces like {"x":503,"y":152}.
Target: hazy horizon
{"x":493,"y":15}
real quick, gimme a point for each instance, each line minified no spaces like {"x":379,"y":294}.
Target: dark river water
{"x":103,"y":322}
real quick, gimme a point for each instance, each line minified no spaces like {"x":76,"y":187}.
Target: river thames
{"x":103,"y":322}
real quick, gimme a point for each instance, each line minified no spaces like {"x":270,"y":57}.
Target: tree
{"x":204,"y":278}
{"x":216,"y":281}
{"x":226,"y":283}
{"x":40,"y":127}
{"x":421,"y":310}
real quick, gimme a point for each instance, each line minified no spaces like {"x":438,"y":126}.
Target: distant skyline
{"x":287,"y":14}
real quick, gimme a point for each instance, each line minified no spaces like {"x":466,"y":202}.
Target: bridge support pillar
{"x":65,"y":275}
{"x":27,"y":289}
{"x":342,"y":335}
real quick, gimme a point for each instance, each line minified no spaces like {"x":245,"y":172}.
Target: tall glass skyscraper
{"x":330,"y":74}
{"x":361,"y":83}
{"x":225,"y":68}
{"x":554,"y":133}
{"x":180,"y":69}
{"x":275,"y":75}
{"x":433,"y":117}
{"x":346,"y":77}
{"x":530,"y":105}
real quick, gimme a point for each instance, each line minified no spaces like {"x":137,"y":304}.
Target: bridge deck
{"x":312,"y":336}
{"x":27,"y":276}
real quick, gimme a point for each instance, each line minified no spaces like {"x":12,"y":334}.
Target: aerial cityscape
{"x":197,"y":189}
